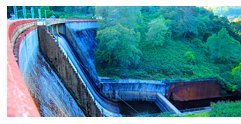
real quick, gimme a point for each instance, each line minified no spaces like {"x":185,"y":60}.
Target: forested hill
{"x":168,"y":43}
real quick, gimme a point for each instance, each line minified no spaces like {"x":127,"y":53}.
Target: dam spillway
{"x":50,"y":93}
{"x":56,"y":61}
{"x":43,"y":81}
{"x":75,"y":78}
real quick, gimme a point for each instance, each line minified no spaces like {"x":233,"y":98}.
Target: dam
{"x":54,"y":62}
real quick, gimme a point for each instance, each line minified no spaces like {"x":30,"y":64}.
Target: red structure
{"x":194,"y":90}
{"x":19,"y":100}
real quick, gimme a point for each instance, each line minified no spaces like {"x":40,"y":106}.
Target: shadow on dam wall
{"x":81,"y":38}
{"x":138,"y":108}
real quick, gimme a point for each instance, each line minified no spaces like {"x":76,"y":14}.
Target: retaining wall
{"x":132,"y":89}
{"x":194,"y":90}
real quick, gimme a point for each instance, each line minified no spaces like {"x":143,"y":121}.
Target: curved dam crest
{"x":19,"y":101}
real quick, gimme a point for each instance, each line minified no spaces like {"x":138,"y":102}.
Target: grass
{"x":219,"y":109}
{"x":202,"y":114}
{"x":226,"y":109}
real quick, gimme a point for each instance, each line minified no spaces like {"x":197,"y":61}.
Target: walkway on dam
{"x":19,"y":100}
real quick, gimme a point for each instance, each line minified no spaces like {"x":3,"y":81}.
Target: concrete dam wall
{"x":45,"y":85}
{"x":48,"y":91}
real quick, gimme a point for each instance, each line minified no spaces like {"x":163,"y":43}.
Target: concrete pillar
{"x":24,"y":12}
{"x":32,"y":12}
{"x":57,"y":29}
{"x":15,"y":12}
{"x":39,"y":13}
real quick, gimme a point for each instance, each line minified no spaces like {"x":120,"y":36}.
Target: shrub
{"x":226,"y":109}
{"x":236,"y":73}
{"x":190,"y":57}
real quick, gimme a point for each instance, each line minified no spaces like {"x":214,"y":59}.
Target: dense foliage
{"x":236,"y":74}
{"x":223,"y":48}
{"x":226,"y":109}
{"x":219,"y":109}
{"x":167,"y":43}
{"x":118,"y":47}
{"x":158,"y":32}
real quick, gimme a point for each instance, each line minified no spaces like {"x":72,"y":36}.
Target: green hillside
{"x":168,"y":43}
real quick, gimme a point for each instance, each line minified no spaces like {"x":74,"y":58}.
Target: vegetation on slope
{"x":226,"y":109}
{"x":167,"y":43}
{"x":219,"y":109}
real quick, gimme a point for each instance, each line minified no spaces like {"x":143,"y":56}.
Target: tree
{"x":150,"y":12}
{"x":235,"y":29}
{"x":222,"y":47}
{"x":127,"y":16}
{"x":187,"y":22}
{"x":48,"y":11}
{"x":236,"y":73}
{"x":118,"y":47}
{"x":158,"y":32}
{"x":9,"y":11}
{"x":184,"y":22}
{"x":186,"y":25}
